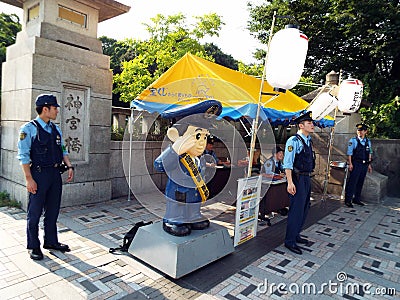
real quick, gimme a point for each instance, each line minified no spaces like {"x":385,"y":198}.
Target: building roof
{"x":107,"y":8}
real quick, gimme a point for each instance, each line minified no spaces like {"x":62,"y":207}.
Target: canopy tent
{"x":192,"y":79}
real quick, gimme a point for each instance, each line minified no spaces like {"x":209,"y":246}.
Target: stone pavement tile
{"x":7,"y":239}
{"x":15,"y":290}
{"x":28,"y":266}
{"x":62,"y":290}
{"x":45,"y":279}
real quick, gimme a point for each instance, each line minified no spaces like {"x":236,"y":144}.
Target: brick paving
{"x":349,"y":249}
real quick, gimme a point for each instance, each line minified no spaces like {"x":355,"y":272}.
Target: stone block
{"x":119,"y":187}
{"x":86,"y":192}
{"x":102,"y":107}
{"x":17,"y":74}
{"x":50,"y":72}
{"x":99,"y":139}
{"x":10,"y":167}
{"x":374,"y":188}
{"x":17,"y":106}
{"x":97,"y":168}
{"x":178,"y":256}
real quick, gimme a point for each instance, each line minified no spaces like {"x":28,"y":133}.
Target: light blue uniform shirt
{"x":353,"y":144}
{"x":29,"y":130}
{"x":294,"y":146}
{"x":269,"y":164}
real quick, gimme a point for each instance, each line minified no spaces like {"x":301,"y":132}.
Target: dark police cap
{"x":46,"y":99}
{"x":210,"y":140}
{"x":304,"y":117}
{"x":277,"y":149}
{"x":361,"y":126}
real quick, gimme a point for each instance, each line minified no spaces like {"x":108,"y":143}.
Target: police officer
{"x":359,"y":153}
{"x":299,"y":162}
{"x":40,"y":152}
{"x":211,"y":157}
{"x":273,"y":165}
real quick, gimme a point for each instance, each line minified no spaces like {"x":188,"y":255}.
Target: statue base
{"x":178,"y":256}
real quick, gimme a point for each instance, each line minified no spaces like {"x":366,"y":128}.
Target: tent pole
{"x":255,"y":126}
{"x":130,"y":154}
{"x":328,"y":169}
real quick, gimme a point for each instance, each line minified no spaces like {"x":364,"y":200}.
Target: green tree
{"x":9,"y":27}
{"x":358,"y":37}
{"x":170,"y":39}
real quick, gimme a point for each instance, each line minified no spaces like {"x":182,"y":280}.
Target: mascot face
{"x":198,"y":138}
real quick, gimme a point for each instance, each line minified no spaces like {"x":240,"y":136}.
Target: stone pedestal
{"x":58,"y":52}
{"x":178,"y":256}
{"x":374,"y":188}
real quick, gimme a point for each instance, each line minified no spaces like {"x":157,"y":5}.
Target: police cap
{"x":46,"y":99}
{"x":304,"y":117}
{"x":277,"y":149}
{"x":361,"y":126}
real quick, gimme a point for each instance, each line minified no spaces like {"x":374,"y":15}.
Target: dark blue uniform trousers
{"x":298,"y":209}
{"x":356,"y":181}
{"x":47,"y":199}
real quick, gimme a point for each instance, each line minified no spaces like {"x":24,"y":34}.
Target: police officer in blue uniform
{"x":273,"y":165}
{"x":40,"y":152}
{"x":359,"y":153}
{"x":299,"y":163}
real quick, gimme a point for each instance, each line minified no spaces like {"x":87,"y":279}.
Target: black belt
{"x":309,"y":174}
{"x":46,"y":166}
{"x":362,"y":161}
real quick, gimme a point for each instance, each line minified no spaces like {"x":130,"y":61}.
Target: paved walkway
{"x":351,"y":250}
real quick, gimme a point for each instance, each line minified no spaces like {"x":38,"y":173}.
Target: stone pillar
{"x":58,"y":52}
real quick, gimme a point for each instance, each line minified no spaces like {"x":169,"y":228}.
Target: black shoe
{"x":348,"y":204}
{"x":302,"y":241}
{"x":283,"y":211}
{"x":36,"y":254}
{"x":199,"y":225}
{"x":358,"y":203}
{"x":294,"y":249}
{"x":58,"y":246}
{"x":176,"y":229}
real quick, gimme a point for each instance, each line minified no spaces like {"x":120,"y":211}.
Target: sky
{"x":234,"y":38}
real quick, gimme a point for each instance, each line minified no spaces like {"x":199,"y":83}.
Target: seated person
{"x":211,"y":158}
{"x":256,"y":166}
{"x":273,"y":166}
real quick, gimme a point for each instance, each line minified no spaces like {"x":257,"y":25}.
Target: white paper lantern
{"x":322,"y":105}
{"x":350,"y":95}
{"x":286,"y":57}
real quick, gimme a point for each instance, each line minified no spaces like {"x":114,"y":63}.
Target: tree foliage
{"x":358,"y":37}
{"x":170,"y":39}
{"x":9,"y":27}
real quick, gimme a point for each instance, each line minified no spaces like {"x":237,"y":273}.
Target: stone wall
{"x":386,"y":160}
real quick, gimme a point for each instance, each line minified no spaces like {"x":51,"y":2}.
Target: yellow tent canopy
{"x":192,"y":79}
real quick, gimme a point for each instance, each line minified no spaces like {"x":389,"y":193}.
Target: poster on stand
{"x":247,"y":200}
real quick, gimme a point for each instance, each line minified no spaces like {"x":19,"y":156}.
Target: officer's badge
{"x":22,"y":135}
{"x":350,"y":143}
{"x":268,"y":164}
{"x":290,"y":148}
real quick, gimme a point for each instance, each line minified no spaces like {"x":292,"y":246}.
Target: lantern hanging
{"x":350,"y":95}
{"x":322,"y":105}
{"x":286,"y":57}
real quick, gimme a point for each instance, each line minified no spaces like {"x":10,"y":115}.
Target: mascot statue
{"x":186,"y":189}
